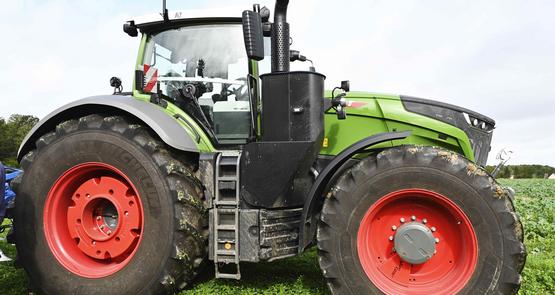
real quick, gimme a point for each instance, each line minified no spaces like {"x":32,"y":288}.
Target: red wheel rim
{"x":93,"y":220}
{"x":446,"y":272}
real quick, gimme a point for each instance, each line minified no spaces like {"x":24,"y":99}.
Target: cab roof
{"x":155,"y":22}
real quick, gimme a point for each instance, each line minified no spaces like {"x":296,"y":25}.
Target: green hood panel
{"x":372,"y":113}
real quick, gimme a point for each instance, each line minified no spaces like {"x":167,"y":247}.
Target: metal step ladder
{"x":226,"y":215}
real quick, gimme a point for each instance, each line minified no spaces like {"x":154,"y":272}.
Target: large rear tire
{"x":104,"y":207}
{"x":419,"y":220}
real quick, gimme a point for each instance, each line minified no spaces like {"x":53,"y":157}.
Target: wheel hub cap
{"x":93,"y":220}
{"x":415,"y":243}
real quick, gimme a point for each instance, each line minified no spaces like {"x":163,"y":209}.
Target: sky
{"x":496,"y":57}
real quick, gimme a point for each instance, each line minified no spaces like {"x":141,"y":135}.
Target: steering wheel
{"x":241,"y":93}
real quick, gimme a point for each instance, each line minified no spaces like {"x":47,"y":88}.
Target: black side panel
{"x":279,"y":233}
{"x":293,"y":106}
{"x":276,"y":174}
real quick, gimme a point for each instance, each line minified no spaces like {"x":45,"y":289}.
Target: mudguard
{"x":315,"y":197}
{"x":153,"y":116}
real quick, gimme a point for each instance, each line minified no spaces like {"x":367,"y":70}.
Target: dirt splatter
{"x":498,"y":191}
{"x":472,"y":169}
{"x":451,"y":157}
{"x":414,"y":149}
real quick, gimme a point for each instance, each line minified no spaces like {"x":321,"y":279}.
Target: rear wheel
{"x":419,"y":220}
{"x":105,"y":208}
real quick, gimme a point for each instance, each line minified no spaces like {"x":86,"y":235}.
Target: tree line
{"x":12,"y":132}
{"x":523,"y":171}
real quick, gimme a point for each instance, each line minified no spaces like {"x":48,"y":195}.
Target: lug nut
{"x":394,"y":227}
{"x":413,"y":218}
{"x":437,"y":240}
{"x":402,"y":220}
{"x":101,"y":226}
{"x":458,"y":222}
{"x":433,"y":228}
{"x":98,"y":218}
{"x":94,"y":242}
{"x":109,"y":232}
{"x":391,"y":238}
{"x":424,"y":220}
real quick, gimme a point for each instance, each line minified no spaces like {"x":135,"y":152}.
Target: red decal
{"x":355,"y":104}
{"x":151,"y":77}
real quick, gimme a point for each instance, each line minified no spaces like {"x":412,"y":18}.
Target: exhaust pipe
{"x":280,"y":38}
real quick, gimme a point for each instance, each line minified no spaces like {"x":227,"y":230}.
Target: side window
{"x":212,"y":59}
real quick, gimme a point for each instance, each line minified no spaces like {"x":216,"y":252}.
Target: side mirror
{"x":130,"y":29}
{"x":346,"y":86}
{"x":253,"y":35}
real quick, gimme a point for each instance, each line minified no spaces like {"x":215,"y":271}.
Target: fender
{"x":153,"y":116}
{"x":316,"y":196}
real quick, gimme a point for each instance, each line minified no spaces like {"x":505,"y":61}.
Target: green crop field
{"x":535,"y":202}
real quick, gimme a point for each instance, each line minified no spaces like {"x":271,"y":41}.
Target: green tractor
{"x":221,"y":155}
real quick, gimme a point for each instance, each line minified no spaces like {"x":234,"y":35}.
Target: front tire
{"x":103,"y":207}
{"x":468,"y":235}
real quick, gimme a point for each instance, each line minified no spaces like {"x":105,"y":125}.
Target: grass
{"x":535,"y":202}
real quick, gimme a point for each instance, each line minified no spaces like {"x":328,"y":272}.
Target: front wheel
{"x":419,"y":220}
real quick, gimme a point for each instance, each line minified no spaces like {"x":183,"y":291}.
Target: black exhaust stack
{"x":280,"y":38}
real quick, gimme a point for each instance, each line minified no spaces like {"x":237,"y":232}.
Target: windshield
{"x":210,"y":56}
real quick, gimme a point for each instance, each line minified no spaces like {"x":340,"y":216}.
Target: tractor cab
{"x":200,"y":65}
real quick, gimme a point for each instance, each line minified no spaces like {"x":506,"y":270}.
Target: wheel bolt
{"x":433,"y":228}
{"x":391,"y":238}
{"x":98,"y":218}
{"x":458,"y":222}
{"x":94,"y":242}
{"x":424,"y":220}
{"x":413,"y":218}
{"x":402,"y":220}
{"x":101,"y":226}
{"x":394,"y":227}
{"x":109,"y":232}
{"x":437,"y":240}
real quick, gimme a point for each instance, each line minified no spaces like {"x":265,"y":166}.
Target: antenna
{"x":165,"y":11}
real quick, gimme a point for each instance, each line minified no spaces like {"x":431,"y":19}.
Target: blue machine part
{"x":2,"y":193}
{"x":7,"y":201}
